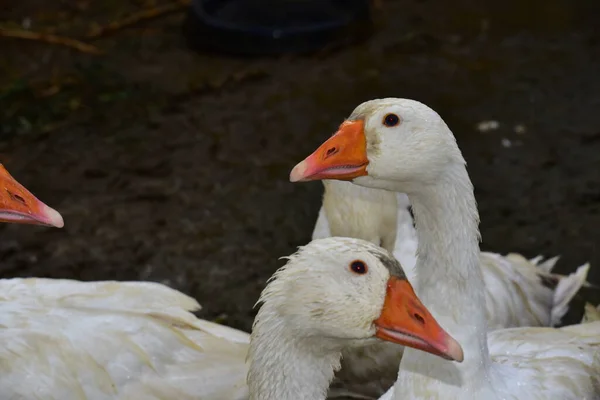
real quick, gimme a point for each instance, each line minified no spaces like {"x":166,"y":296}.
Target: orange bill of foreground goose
{"x":342,"y":157}
{"x":19,"y":206}
{"x":406,"y":321}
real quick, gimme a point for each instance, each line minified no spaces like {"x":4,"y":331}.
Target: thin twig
{"x":52,"y":39}
{"x":143,"y":15}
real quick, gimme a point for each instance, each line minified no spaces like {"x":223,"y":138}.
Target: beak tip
{"x":455,"y":350}
{"x":298,"y":172}
{"x":54,"y":218}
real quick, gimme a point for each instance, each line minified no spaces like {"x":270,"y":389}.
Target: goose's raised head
{"x":385,"y":140}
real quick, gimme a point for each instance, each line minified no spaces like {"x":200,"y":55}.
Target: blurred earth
{"x":172,"y":166}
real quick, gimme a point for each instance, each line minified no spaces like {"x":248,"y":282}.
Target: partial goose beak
{"x":342,"y":157}
{"x":18,"y":205}
{"x":404,"y":320}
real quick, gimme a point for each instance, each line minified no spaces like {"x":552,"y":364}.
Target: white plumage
{"x":541,"y":364}
{"x":64,"y":339}
{"x":519,"y":292}
{"x":403,"y":146}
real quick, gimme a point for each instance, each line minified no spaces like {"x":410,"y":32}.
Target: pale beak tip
{"x":297,"y":173}
{"x":54,"y":218}
{"x":455,"y":350}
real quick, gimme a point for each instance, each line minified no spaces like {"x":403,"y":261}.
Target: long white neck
{"x":361,"y":212}
{"x":450,"y":284}
{"x":286,"y":367}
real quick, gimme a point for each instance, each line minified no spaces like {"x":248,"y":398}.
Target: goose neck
{"x":286,"y":367}
{"x":449,"y":279}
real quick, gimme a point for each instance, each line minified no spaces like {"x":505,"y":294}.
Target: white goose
{"x":64,"y":339}
{"x":519,"y":292}
{"x":334,"y":293}
{"x":403,"y":146}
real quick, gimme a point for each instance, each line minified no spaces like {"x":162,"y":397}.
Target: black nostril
{"x":16,"y":197}
{"x":331,"y":151}
{"x":419,"y":319}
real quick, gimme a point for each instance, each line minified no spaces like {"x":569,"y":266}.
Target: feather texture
{"x":519,"y":292}
{"x":544,"y":363}
{"x":66,"y":339}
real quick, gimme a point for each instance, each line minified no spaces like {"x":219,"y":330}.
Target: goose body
{"x":403,"y":146}
{"x":530,"y":363}
{"x":66,"y":339}
{"x":379,"y":216}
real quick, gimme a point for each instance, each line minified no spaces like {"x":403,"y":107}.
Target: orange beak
{"x":404,"y":320}
{"x":18,"y":205}
{"x":342,"y":157}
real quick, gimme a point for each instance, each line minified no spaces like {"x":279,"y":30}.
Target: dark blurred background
{"x":170,"y":164}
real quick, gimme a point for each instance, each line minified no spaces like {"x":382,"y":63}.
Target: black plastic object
{"x":268,"y":27}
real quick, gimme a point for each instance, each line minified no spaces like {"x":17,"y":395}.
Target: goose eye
{"x":358,"y":267}
{"x":391,"y":120}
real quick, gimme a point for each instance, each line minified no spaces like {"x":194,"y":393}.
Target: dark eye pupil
{"x":359,"y":267}
{"x":391,"y":120}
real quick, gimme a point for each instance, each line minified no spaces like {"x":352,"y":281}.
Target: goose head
{"x":385,"y":141}
{"x":338,"y":292}
{"x":18,"y":205}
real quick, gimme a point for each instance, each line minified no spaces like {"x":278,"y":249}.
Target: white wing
{"x":67,"y":340}
{"x":521,"y":293}
{"x":549,"y":363}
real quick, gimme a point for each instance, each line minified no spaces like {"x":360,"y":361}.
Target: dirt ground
{"x":172,"y":166}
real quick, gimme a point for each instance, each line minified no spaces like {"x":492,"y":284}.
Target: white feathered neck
{"x":361,"y":212}
{"x":284,"y":366}
{"x":450,"y":283}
